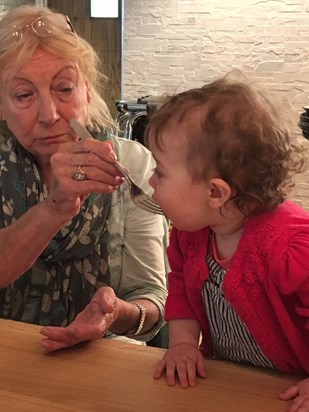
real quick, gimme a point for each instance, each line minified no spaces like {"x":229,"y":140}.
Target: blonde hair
{"x":63,"y":43}
{"x":239,"y":135}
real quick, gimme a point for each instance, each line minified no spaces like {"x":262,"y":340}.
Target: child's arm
{"x":300,"y":394}
{"x":183,"y":358}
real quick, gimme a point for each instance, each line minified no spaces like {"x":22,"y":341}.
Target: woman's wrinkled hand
{"x":300,"y":395}
{"x":92,"y":157}
{"x":90,"y":324}
{"x":183,"y":360}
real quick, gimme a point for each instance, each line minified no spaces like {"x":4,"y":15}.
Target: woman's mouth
{"x":58,"y":138}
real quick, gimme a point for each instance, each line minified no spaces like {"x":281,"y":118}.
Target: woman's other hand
{"x":183,"y":360}
{"x":90,"y":324}
{"x":300,"y":395}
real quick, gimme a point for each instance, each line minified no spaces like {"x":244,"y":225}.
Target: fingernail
{"x":112,"y":156}
{"x":120,"y":179}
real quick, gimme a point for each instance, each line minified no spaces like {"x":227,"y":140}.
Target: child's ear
{"x":220,"y":192}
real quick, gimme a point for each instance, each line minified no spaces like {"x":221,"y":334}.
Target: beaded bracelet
{"x":141,"y":319}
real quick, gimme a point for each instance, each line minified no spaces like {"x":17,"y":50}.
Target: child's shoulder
{"x":285,"y":214}
{"x":285,"y":222}
{"x":292,"y":210}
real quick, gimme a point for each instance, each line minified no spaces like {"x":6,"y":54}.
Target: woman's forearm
{"x":129,"y":316}
{"x":25,"y":239}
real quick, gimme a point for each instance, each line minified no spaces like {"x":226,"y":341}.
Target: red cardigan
{"x":267,"y":283}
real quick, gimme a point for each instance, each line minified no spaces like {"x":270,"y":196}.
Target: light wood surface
{"x":113,"y":376}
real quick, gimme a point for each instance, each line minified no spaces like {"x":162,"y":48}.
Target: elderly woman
{"x":74,"y":249}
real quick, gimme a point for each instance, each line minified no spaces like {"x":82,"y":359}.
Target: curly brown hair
{"x":240,"y":136}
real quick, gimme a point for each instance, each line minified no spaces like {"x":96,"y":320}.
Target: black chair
{"x":161,"y":338}
{"x":304,"y":123}
{"x":133,"y":117}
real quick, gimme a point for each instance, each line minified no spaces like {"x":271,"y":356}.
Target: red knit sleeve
{"x":291,"y":272}
{"x":177,"y":304}
{"x":293,"y":275}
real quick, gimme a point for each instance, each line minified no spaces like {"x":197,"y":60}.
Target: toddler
{"x":239,"y":250}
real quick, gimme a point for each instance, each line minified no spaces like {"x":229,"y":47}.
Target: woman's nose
{"x":47,"y":111}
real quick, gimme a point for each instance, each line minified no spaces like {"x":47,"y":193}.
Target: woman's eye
{"x":64,"y":90}
{"x":23,"y":96}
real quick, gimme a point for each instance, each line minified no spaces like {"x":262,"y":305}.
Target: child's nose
{"x":151,"y":181}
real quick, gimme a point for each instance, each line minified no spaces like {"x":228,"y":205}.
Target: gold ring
{"x":80,"y":175}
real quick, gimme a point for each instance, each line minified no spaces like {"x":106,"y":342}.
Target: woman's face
{"x":38,"y":102}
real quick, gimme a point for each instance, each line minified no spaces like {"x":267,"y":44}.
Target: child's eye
{"x":157,"y":172}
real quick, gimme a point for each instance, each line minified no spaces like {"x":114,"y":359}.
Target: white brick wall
{"x":7,"y":5}
{"x":173,"y":45}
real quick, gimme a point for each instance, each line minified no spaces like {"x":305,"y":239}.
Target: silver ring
{"x":80,"y":175}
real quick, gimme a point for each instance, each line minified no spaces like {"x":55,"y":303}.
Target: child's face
{"x":184,"y":203}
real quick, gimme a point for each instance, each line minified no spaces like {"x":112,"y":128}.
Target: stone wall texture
{"x":7,"y":5}
{"x":173,"y":45}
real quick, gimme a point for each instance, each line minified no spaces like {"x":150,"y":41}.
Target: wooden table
{"x":113,"y":376}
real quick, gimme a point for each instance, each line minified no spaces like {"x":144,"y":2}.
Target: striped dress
{"x":231,"y":339}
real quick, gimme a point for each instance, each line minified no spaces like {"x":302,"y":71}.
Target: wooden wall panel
{"x":105,"y":35}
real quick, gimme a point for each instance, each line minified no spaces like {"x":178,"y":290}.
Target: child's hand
{"x":184,"y":360}
{"x":300,"y":394}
